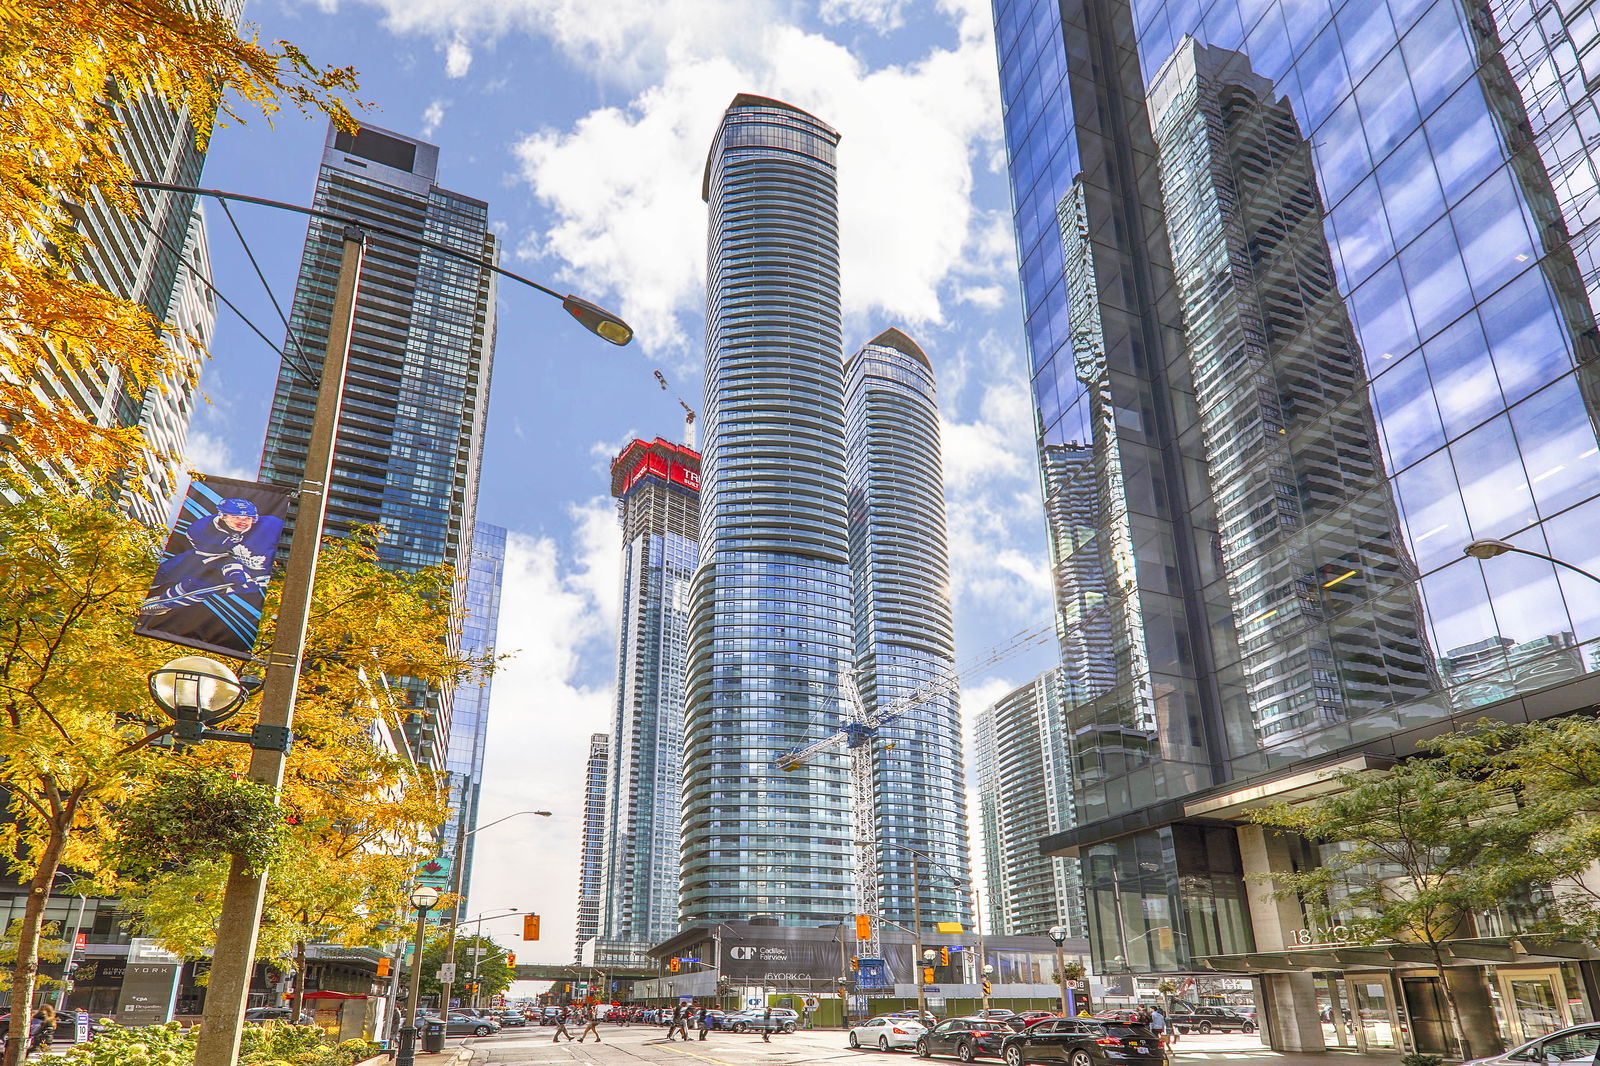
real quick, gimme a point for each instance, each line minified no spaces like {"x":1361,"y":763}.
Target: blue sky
{"x":584,"y":124}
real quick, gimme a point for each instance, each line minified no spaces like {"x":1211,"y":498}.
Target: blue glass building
{"x":1308,"y":298}
{"x":770,"y":610}
{"x":904,"y":632}
{"x":657,"y":486}
{"x":469,"y":713}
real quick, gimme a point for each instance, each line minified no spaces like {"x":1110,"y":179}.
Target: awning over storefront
{"x":1498,"y":951}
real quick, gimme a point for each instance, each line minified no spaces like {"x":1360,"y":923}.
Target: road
{"x":646,"y":1045}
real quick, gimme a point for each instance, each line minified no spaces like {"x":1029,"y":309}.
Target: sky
{"x":584,"y":124}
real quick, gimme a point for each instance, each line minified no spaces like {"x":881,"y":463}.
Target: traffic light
{"x":855,"y":965}
{"x":863,"y":927}
{"x":944,"y":956}
{"x":383,"y":967}
{"x":673,"y":965}
{"x":530,"y":927}
{"x":511,"y":958}
{"x":927,"y":975}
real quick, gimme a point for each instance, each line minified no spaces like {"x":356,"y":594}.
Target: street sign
{"x":435,"y":872}
{"x":447,"y":971}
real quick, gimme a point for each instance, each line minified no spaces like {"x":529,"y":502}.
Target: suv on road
{"x":784,"y":1020}
{"x":1210,"y":1020}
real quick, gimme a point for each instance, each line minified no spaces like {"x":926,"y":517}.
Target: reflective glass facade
{"x":658,"y":499}
{"x":469,"y":712}
{"x":904,"y":634}
{"x":1308,"y":297}
{"x":591,"y":861}
{"x":770,"y":611}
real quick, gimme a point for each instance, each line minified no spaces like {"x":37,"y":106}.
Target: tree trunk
{"x":26,"y":970}
{"x":1463,"y":1046}
{"x":298,"y":1002}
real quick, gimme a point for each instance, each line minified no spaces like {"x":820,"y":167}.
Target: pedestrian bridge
{"x":555,"y":972}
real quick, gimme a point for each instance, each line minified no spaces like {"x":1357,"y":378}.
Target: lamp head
{"x":597,"y":320}
{"x":423,"y":897}
{"x":196,"y":687}
{"x":1058,"y":933}
{"x":1487,"y":548}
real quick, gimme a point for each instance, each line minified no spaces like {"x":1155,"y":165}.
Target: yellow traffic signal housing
{"x":855,"y":965}
{"x":944,"y":956}
{"x":383,"y":967}
{"x":863,"y":927}
{"x":673,"y":965}
{"x":511,"y":958}
{"x":927,"y":975}
{"x":530,"y":927}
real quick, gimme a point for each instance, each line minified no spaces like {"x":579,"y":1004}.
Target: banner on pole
{"x":212,"y":582}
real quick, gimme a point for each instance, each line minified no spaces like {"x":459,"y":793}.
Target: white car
{"x":885,"y":1033}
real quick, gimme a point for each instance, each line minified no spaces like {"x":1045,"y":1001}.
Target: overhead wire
{"x":294,"y":337}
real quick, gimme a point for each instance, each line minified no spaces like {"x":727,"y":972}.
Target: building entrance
{"x":1376,"y":1015}
{"x":1333,"y":1009}
{"x":1533,"y":1002}
{"x":1430,"y":1020}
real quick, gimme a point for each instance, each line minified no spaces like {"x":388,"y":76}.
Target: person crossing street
{"x":561,"y":1027}
{"x":591,"y":1018}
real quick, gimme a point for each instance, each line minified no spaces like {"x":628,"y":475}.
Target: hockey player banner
{"x":212,"y":582}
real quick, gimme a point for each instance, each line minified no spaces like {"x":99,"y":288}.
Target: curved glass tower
{"x":770,"y":609}
{"x":905,"y":636}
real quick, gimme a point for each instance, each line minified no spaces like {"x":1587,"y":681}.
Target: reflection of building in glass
{"x":657,"y":486}
{"x":591,"y":861}
{"x":770,"y":610}
{"x":469,"y":713}
{"x":1289,"y":433}
{"x":1376,"y":227}
{"x":1497,"y":668}
{"x":905,"y":636}
{"x":1024,"y":791}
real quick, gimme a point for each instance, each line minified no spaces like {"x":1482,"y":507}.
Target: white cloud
{"x":212,"y":453}
{"x":457,"y":58}
{"x":557,"y":609}
{"x":879,"y":14}
{"x":432,"y":115}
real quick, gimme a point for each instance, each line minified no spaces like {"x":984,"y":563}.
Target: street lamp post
{"x":919,"y":956}
{"x":422,"y":898}
{"x":1490,"y":548}
{"x":1058,"y":933}
{"x":462,"y":833}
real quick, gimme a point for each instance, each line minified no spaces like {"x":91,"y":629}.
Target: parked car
{"x":885,"y":1032}
{"x":927,"y":1018}
{"x":460,"y":1024}
{"x":783,"y":1020}
{"x":511,"y":1018}
{"x":965,"y":1038}
{"x":1130,"y":1017}
{"x":277,"y":1014}
{"x":713,"y":1019}
{"x":1211,"y":1019}
{"x":1576,"y":1043}
{"x":1084,"y":1042}
{"x":997,"y":1013}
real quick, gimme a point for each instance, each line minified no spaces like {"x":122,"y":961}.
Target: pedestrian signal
{"x":863,"y":927}
{"x":944,"y":956}
{"x":511,"y":958}
{"x":530,"y":927}
{"x":383,"y":967}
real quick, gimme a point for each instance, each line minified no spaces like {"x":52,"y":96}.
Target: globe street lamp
{"x":1058,"y":933}
{"x":197,"y":692}
{"x":423,"y":897}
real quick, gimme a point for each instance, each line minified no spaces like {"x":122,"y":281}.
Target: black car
{"x":1083,"y":1042}
{"x":1211,"y":1019}
{"x":965,"y":1038}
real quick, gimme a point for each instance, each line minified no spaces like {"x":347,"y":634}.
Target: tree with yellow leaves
{"x":70,"y":70}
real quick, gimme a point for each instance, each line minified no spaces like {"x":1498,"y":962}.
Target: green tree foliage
{"x":494,"y":974}
{"x":1409,"y":854}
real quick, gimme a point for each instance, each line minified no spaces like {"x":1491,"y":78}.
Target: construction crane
{"x":856,"y":735}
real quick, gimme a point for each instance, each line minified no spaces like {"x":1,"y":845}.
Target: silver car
{"x":885,"y":1033}
{"x":1578,"y":1043}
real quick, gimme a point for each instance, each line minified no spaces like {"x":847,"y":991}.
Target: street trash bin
{"x":433,"y":1038}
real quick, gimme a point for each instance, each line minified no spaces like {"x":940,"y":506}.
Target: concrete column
{"x":1471,"y":987}
{"x":1291,"y":998}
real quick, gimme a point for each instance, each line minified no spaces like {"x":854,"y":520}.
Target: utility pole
{"x":234,"y":956}
{"x":456,"y":908}
{"x":917,"y":962}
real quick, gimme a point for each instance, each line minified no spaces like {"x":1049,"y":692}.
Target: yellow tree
{"x":362,"y":815}
{"x":75,"y":715}
{"x":68,"y":71}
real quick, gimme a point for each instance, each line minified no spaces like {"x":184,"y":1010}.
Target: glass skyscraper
{"x":469,"y":712}
{"x":591,"y":859}
{"x":1308,"y":290}
{"x":904,"y":633}
{"x":416,"y":395}
{"x":657,"y":486}
{"x":770,"y":610}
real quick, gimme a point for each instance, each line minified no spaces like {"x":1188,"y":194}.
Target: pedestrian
{"x":591,"y":1017}
{"x":707,"y":1020}
{"x":766,"y":1025}
{"x":43,"y":1029}
{"x":1158,"y":1025}
{"x":561,"y":1027}
{"x":805,"y":1017}
{"x":680,"y":1022}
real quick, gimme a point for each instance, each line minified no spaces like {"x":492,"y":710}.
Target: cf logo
{"x":742,"y":953}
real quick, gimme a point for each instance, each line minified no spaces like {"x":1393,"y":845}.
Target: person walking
{"x":43,"y":1029}
{"x":561,"y":1027}
{"x":680,"y":1022}
{"x":766,"y":1025}
{"x":591,"y":1017}
{"x":707,"y":1019}
{"x":1158,"y":1025}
